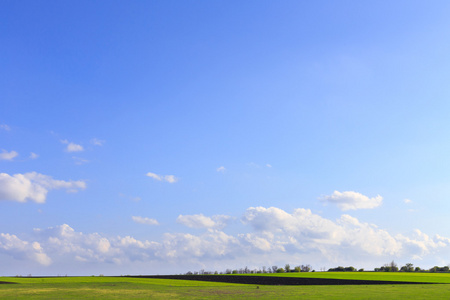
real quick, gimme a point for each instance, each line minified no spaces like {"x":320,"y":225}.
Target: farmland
{"x":155,"y":288}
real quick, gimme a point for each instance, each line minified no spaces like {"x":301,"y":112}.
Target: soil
{"x":6,"y":282}
{"x":274,"y":280}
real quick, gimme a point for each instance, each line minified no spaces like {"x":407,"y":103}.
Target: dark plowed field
{"x":6,"y":282}
{"x":274,"y":280}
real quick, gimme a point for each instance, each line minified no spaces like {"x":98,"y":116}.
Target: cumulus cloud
{"x":33,"y":155}
{"x":268,"y":236}
{"x":201,"y":221}
{"x":33,"y":186}
{"x":407,"y":201}
{"x":167,"y":178}
{"x":346,"y":239}
{"x":221,"y":169}
{"x":5,"y":127}
{"x":352,"y":200}
{"x":5,"y":155}
{"x":142,"y":220}
{"x":32,"y":251}
{"x":72,"y":147}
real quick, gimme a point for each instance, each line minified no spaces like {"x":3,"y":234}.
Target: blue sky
{"x":155,"y":137}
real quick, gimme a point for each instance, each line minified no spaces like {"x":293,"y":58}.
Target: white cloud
{"x":269,"y":236}
{"x":33,"y":155}
{"x":167,"y":178}
{"x":97,"y":142}
{"x":269,"y":165}
{"x":33,"y":186}
{"x":72,"y":147}
{"x":5,"y":155}
{"x":352,"y":200}
{"x":5,"y":127}
{"x":32,"y":251}
{"x":142,"y":220}
{"x":221,"y":169}
{"x":346,"y":239}
{"x":407,"y":201}
{"x":201,"y":221}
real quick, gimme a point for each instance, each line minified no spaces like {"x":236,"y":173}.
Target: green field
{"x":141,"y":288}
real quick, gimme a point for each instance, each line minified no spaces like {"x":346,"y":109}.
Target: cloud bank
{"x":267,"y":236}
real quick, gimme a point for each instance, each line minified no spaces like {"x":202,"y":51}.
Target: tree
{"x":305,"y":268}
{"x":287,"y":267}
{"x":274,"y":269}
{"x":407,"y":268}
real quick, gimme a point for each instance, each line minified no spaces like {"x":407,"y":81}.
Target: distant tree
{"x":407,"y":268}
{"x":393,"y":266}
{"x":274,"y":269}
{"x":337,"y":269}
{"x":287,"y":267}
{"x":417,"y":269}
{"x":361,"y":270}
{"x":297,"y":269}
{"x":305,"y":268}
{"x":280,"y":270}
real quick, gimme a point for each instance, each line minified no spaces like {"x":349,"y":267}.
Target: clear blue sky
{"x":154,"y":137}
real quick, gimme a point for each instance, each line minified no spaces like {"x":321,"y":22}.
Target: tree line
{"x":389,"y":267}
{"x":273,"y":269}
{"x":393,"y":267}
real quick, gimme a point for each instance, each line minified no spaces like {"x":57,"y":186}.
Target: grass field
{"x":143,"y":288}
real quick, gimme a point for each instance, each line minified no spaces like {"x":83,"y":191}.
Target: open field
{"x":140,"y":288}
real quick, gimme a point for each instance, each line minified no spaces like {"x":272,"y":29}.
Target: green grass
{"x":142,"y":288}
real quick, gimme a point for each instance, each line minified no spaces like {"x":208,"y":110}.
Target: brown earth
{"x":274,"y":280}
